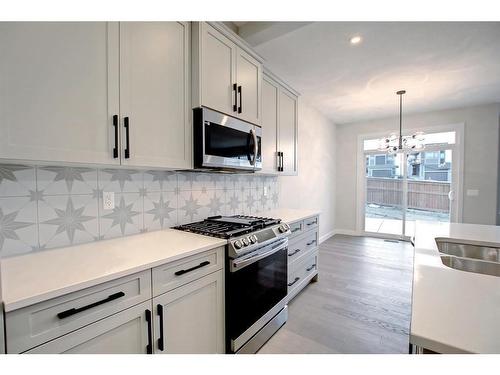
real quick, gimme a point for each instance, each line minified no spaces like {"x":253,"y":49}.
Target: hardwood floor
{"x":361,"y":303}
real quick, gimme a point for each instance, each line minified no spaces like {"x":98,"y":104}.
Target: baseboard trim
{"x":348,"y":232}
{"x":324,"y":237}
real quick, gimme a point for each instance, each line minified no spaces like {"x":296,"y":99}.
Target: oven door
{"x":257,"y":283}
{"x":222,"y":141}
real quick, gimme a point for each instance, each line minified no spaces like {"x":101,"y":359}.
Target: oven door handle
{"x":237,"y":265}
{"x":255,"y":147}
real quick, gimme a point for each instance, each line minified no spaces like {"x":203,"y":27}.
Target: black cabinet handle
{"x":312,"y":222}
{"x":115,"y":124}
{"x":126,"y":125}
{"x":294,"y":281}
{"x":182,"y":272}
{"x":149,"y":347}
{"x":310,"y":243}
{"x":310,"y":268}
{"x":295,"y":252}
{"x":74,"y":311}
{"x":280,"y":161}
{"x":161,"y":340}
{"x":240,"y":92}
{"x":235,"y":104}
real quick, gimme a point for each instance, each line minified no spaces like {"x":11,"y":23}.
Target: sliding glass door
{"x":406,"y":187}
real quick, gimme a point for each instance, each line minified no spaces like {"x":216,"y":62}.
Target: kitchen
{"x":199,"y":187}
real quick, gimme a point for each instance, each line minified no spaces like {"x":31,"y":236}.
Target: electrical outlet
{"x":108,"y":200}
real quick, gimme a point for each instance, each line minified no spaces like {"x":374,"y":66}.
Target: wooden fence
{"x":424,"y":195}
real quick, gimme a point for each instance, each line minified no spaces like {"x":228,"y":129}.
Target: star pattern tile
{"x":69,"y":220}
{"x":121,"y":176}
{"x":9,"y":226}
{"x":122,"y":215}
{"x":68,"y":174}
{"x":7,"y":171}
{"x":191,"y":207}
{"x":161,"y":210}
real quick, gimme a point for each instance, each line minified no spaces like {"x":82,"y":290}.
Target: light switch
{"x":472,"y":192}
{"x":108,"y":200}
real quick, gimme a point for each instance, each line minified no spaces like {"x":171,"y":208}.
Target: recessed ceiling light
{"x":355,"y":40}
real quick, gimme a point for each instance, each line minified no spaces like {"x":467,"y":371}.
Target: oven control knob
{"x":245,"y":242}
{"x":253,"y":238}
{"x":237,"y":244}
{"x":282,"y":229}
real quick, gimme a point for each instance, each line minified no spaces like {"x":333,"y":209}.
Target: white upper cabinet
{"x":279,"y":126}
{"x":154,"y":94}
{"x":287,"y":135}
{"x":249,"y":87}
{"x":217,"y":70}
{"x":227,"y":75}
{"x":58,"y":91}
{"x":269,"y":126}
{"x":96,"y":92}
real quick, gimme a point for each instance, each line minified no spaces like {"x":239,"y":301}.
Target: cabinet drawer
{"x":300,"y":270}
{"x":311,"y":223}
{"x":39,"y":323}
{"x":175,"y":274}
{"x":123,"y":333}
{"x":299,"y":246}
{"x":296,"y":228}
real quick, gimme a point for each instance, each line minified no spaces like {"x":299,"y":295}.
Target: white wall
{"x":480,"y":159}
{"x":314,"y":187}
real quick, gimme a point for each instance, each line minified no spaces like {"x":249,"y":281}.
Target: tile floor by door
{"x":361,"y":303}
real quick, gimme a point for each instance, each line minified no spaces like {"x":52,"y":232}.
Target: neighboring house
{"x":381,"y":165}
{"x":430,"y":166}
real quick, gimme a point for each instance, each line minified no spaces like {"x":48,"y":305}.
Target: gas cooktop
{"x":228,"y":226}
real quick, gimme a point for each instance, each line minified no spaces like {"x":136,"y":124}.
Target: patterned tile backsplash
{"x":43,"y":207}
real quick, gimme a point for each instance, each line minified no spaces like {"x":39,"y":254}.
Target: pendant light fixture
{"x":398,"y":143}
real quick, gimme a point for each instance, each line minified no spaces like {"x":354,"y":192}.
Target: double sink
{"x":470,"y":258}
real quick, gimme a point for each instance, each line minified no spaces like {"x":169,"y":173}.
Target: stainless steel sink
{"x":491,"y":254}
{"x":471,"y":265}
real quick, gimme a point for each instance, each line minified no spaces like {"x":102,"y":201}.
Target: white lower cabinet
{"x":123,"y":333}
{"x":190,"y":319}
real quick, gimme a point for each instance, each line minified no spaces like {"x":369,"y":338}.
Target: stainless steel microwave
{"x":224,"y":142}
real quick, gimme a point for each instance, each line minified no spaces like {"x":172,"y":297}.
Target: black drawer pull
{"x":235,"y":105}
{"x":310,"y":243}
{"x":312,"y":222}
{"x":202,"y":264}
{"x":296,"y":229}
{"x":311,"y":268}
{"x":161,"y":340}
{"x":74,"y":311}
{"x":115,"y":124}
{"x":240,"y":91}
{"x":295,"y":252}
{"x":294,"y":281}
{"x":149,"y":347}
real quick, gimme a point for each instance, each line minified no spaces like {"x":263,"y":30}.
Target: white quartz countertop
{"x":36,"y":277}
{"x":289,"y":215}
{"x":454,"y":311}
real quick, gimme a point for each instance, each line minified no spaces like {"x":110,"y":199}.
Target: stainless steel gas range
{"x":256,"y":276}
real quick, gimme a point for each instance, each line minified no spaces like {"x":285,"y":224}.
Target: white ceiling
{"x":441,"y":65}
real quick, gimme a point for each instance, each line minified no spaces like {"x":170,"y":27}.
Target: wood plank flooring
{"x":361,"y":303}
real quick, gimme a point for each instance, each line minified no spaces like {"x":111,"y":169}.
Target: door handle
{"x":311,"y":267}
{"x":126,"y":125}
{"x":255,"y":147}
{"x":115,"y":124}
{"x":74,"y":311}
{"x":149,"y":347}
{"x":295,"y":252}
{"x":235,"y":104}
{"x":294,"y":281}
{"x":161,"y":340}
{"x":182,"y":272}
{"x":240,"y":92}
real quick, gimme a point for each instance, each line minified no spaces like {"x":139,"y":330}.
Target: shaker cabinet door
{"x":269,"y":126}
{"x":58,"y":91}
{"x":190,"y":319}
{"x":155,"y":94}
{"x":288,"y":131}
{"x":126,"y":332}
{"x":217,"y":71}
{"x":249,"y":81}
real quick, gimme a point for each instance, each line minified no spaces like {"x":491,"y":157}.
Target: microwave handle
{"x":255,"y":146}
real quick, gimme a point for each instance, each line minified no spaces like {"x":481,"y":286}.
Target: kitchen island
{"x":453,"y":311}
